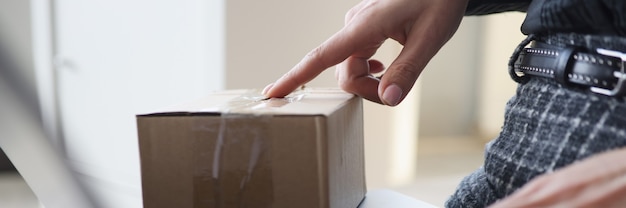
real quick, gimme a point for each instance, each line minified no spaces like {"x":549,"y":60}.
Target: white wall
{"x":119,"y":58}
{"x":466,"y":86}
{"x":501,"y":36}
{"x":266,"y":38}
{"x":448,"y":96}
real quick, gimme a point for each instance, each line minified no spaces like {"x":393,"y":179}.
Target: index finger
{"x":331,"y":52}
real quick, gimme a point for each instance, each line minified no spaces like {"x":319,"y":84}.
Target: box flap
{"x":309,"y":101}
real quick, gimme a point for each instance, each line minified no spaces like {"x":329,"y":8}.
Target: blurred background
{"x":76,"y":72}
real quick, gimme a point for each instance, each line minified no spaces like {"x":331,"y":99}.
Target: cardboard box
{"x":234,"y":149}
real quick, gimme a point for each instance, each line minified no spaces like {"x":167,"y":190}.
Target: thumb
{"x":420,"y":46}
{"x":401,"y":76}
{"x":397,"y":82}
{"x":423,"y":39}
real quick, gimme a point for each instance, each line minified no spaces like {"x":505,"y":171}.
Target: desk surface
{"x":386,"y":198}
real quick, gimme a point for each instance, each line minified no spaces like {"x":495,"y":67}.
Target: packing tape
{"x":237,"y":170}
{"x":253,"y":101}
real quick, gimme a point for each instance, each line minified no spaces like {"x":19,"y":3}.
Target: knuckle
{"x":292,"y":79}
{"x":405,"y":71}
{"x":346,"y":81}
{"x":344,"y":85}
{"x":348,"y":86}
{"x":348,"y":16}
{"x":317,"y":55}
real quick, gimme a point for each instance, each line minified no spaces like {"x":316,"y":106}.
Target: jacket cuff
{"x":483,"y":7}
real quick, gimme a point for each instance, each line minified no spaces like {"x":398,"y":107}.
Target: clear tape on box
{"x":248,"y":176}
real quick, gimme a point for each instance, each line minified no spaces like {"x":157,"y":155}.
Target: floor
{"x":442,"y":163}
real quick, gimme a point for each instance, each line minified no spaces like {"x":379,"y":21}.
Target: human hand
{"x":598,"y":181}
{"x":422,"y":26}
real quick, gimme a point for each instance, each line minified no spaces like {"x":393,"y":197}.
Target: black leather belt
{"x":602,"y":70}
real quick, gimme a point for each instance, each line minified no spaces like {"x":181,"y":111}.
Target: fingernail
{"x":392,"y":95}
{"x":267,"y":88}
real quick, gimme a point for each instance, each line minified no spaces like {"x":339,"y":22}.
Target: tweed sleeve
{"x":483,"y":7}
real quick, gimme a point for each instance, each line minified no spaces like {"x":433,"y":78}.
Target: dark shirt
{"x":597,"y":17}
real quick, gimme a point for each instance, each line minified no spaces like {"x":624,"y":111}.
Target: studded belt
{"x":602,"y":71}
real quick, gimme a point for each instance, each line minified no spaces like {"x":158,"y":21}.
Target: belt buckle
{"x":620,"y":87}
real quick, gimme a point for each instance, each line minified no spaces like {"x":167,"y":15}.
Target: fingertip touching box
{"x":235,"y":149}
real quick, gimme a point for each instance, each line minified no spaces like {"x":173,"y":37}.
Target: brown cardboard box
{"x":234,"y":149}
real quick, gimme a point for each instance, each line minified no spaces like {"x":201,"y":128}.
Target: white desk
{"x":386,"y":198}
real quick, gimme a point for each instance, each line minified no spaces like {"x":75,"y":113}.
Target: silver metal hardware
{"x":620,"y":87}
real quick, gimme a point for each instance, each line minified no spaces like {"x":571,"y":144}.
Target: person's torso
{"x":599,"y":17}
